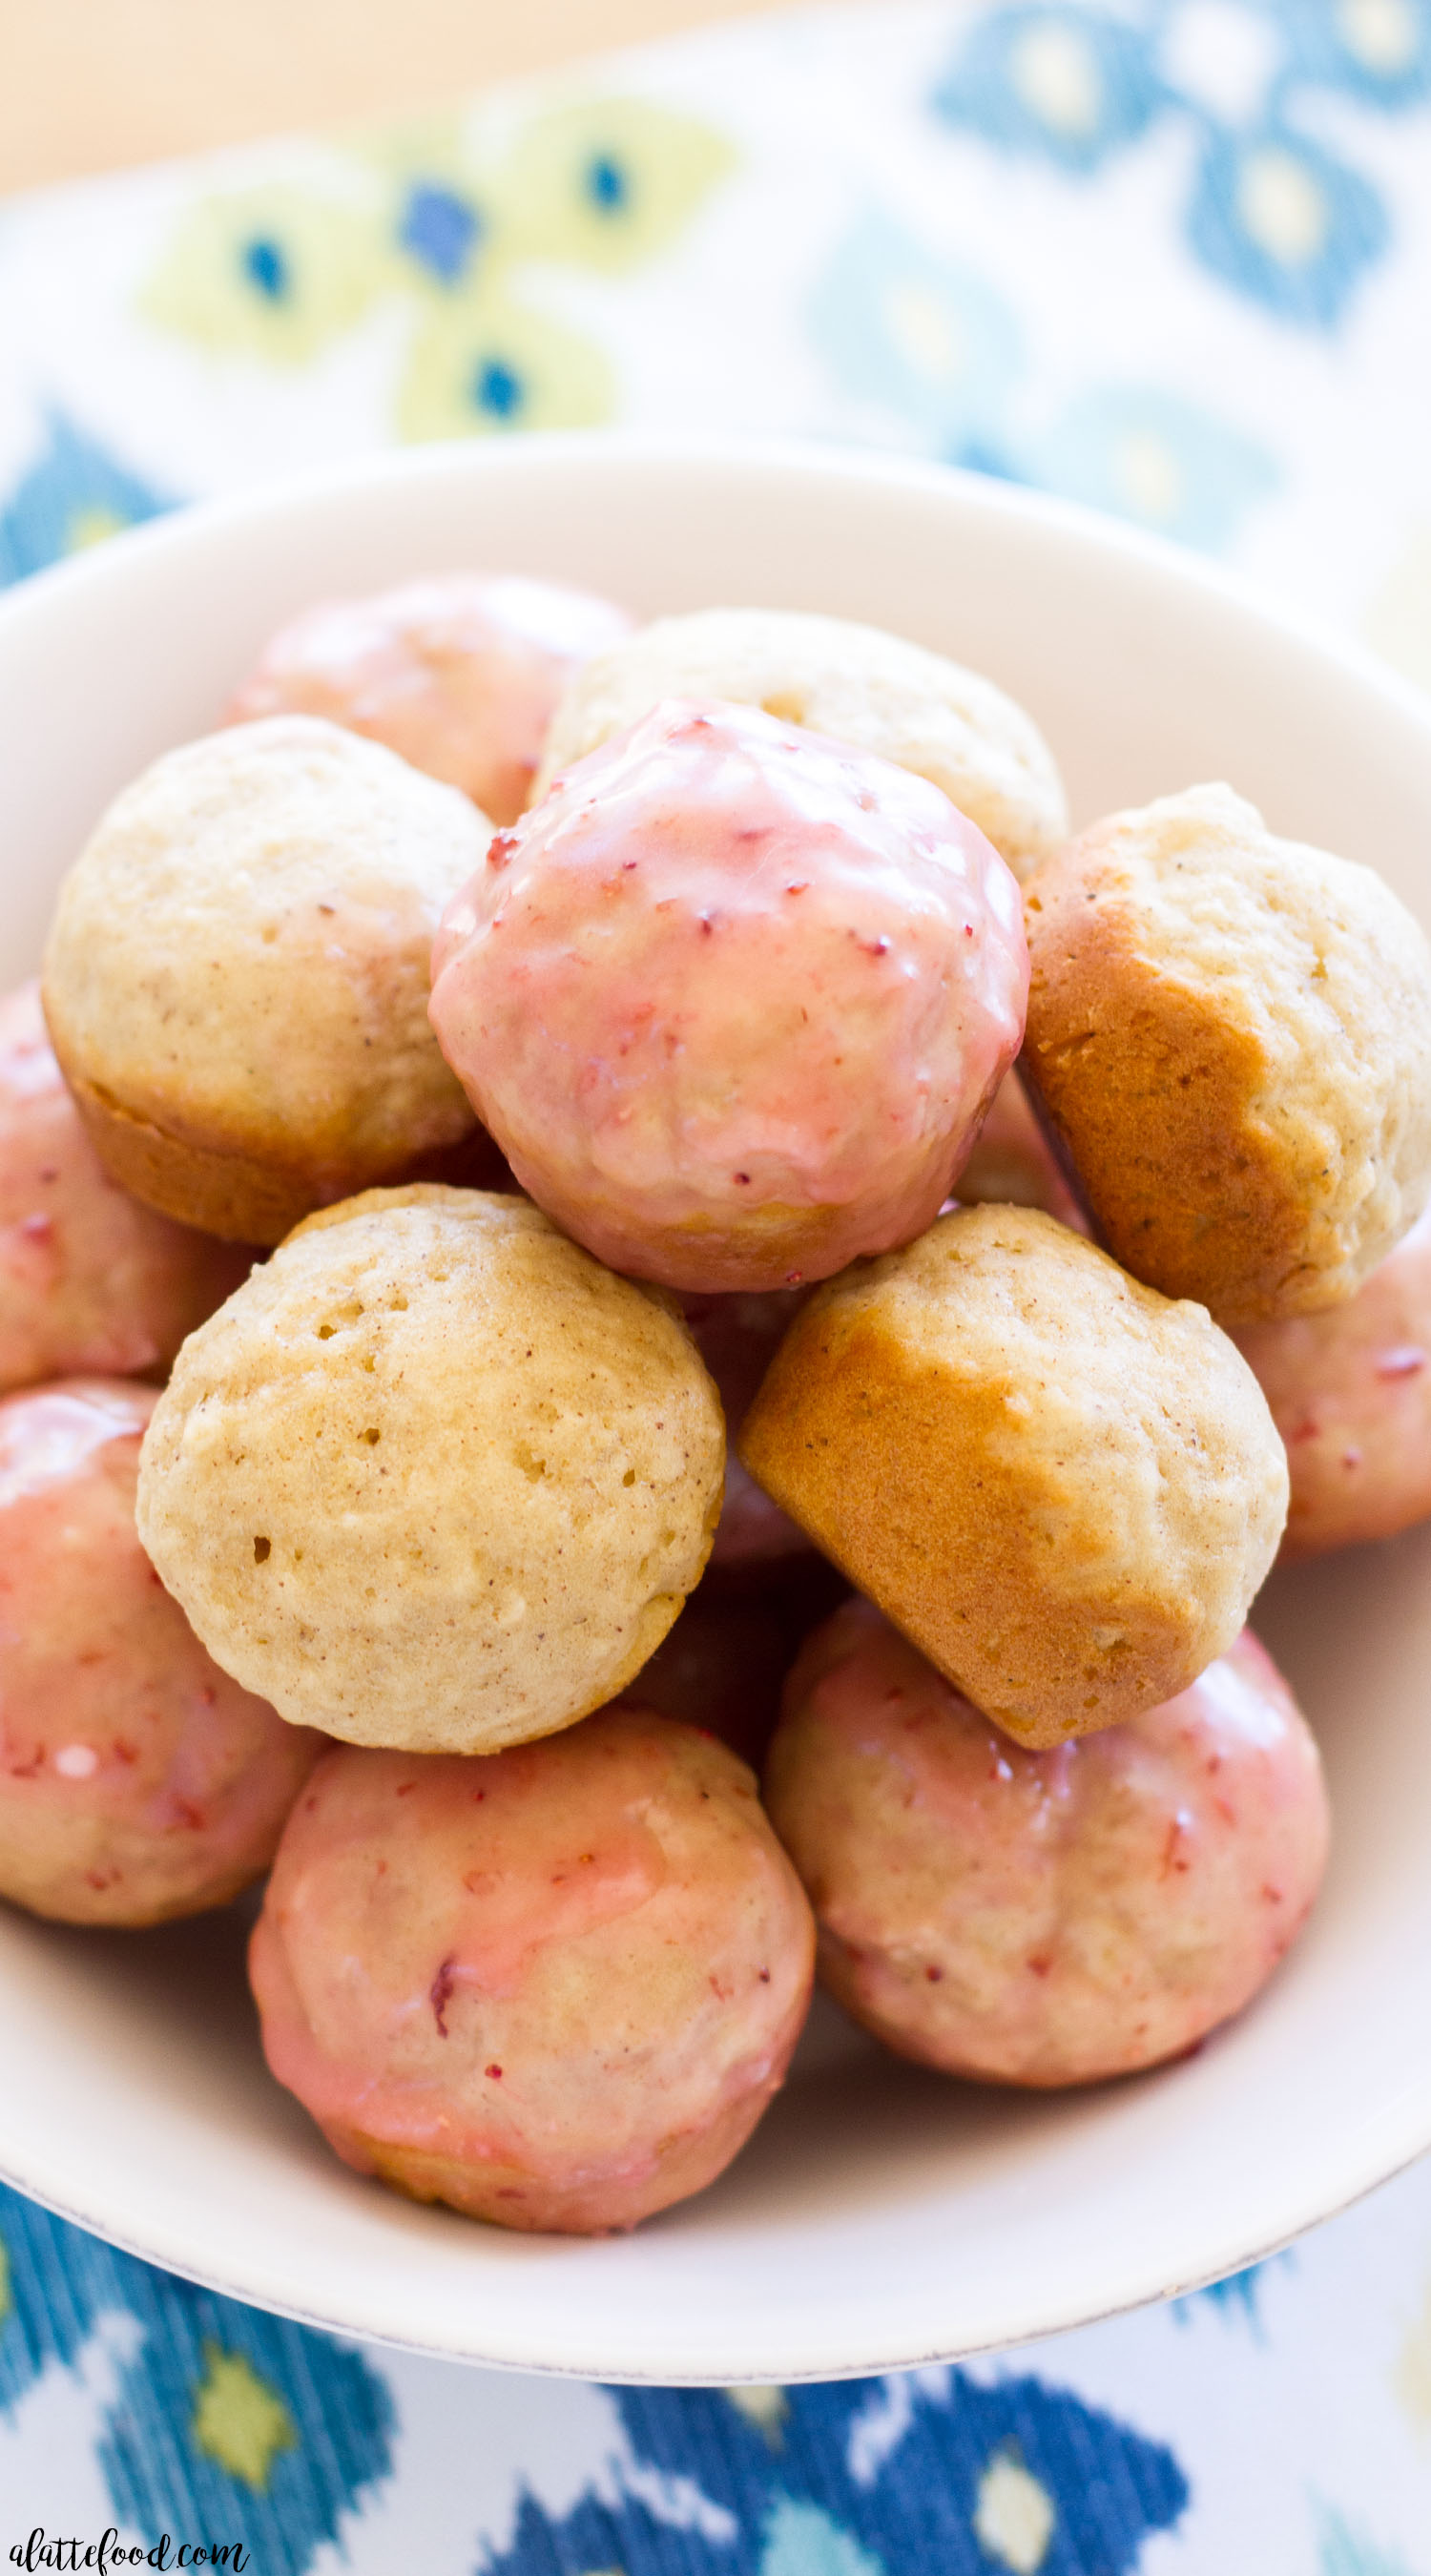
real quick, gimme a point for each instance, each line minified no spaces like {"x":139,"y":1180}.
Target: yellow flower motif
{"x":239,"y":2420}
{"x":1013,"y":2516}
{"x":89,"y":527}
{"x":486,"y":364}
{"x":606,"y":182}
{"x":764,"y":2407}
{"x":271,"y":272}
{"x":442,"y":216}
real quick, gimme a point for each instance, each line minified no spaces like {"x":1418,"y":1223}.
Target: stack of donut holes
{"x":519,"y":1053}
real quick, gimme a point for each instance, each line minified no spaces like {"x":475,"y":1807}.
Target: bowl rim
{"x":1369,"y":2155}
{"x":436,"y":459}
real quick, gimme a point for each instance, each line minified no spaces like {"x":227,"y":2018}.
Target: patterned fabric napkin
{"x":1172,"y":257}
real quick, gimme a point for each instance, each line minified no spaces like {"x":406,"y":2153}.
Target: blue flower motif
{"x":1152,"y":457}
{"x":921,"y":336}
{"x":1068,"y":84}
{"x":498,"y":390}
{"x":608,"y":184}
{"x":74,"y":493}
{"x":1272,"y":214}
{"x":1377,"y":51}
{"x":1346,"y":2549}
{"x":932,"y":343}
{"x":1236,"y":2299}
{"x":266,"y":265}
{"x":1284,"y":222}
{"x":440,"y":230}
{"x":936,"y":2471}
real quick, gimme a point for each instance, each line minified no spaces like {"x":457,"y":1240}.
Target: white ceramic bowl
{"x":881,"y":2216}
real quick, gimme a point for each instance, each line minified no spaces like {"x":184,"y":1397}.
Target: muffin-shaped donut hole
{"x":1064,"y":1488}
{"x":854,"y":684}
{"x":582,"y":1967}
{"x":1043,"y":1918}
{"x":137,"y":1780}
{"x":459,"y":673}
{"x":236,"y":979}
{"x":434,"y":1478}
{"x":1232,"y":1035}
{"x":734,"y":999}
{"x":1350,"y":1393}
{"x":91,"y":1282}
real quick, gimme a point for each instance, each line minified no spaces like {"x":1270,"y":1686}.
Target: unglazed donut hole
{"x":137,"y":1781}
{"x":459,"y":673}
{"x":1232,"y":1034}
{"x":1063,"y":1487}
{"x":734,"y":1000}
{"x":236,"y":979}
{"x":433,"y":1478}
{"x":555,"y":1988}
{"x":853,"y":684}
{"x":1043,"y":1918}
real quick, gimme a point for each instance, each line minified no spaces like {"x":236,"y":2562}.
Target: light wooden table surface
{"x":98,"y":84}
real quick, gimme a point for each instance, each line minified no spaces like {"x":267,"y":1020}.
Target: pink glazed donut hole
{"x":460,"y":674}
{"x":1350,"y":1393}
{"x":733,"y":999}
{"x":1044,"y":1918}
{"x":554,"y":1987}
{"x":137,"y":1781}
{"x":90,"y":1281}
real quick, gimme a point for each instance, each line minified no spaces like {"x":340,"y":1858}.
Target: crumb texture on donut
{"x":237,"y":974}
{"x":1232,"y":1033}
{"x":434,"y":1478}
{"x":1063,"y":1487}
{"x":856,"y":685}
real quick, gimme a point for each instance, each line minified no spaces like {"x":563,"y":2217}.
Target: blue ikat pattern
{"x":1169,"y":258}
{"x":1272,"y":212}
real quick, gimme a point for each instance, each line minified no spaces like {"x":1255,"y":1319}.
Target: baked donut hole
{"x":433,"y":1478}
{"x":1043,"y":1918}
{"x":236,"y":979}
{"x":554,"y":1988}
{"x":1064,"y":1488}
{"x":1232,"y":1036}
{"x":853,"y":684}
{"x":734,"y":999}
{"x":1350,"y":1393}
{"x":138,"y":1782}
{"x":459,"y":673}
{"x":91,"y":1281}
